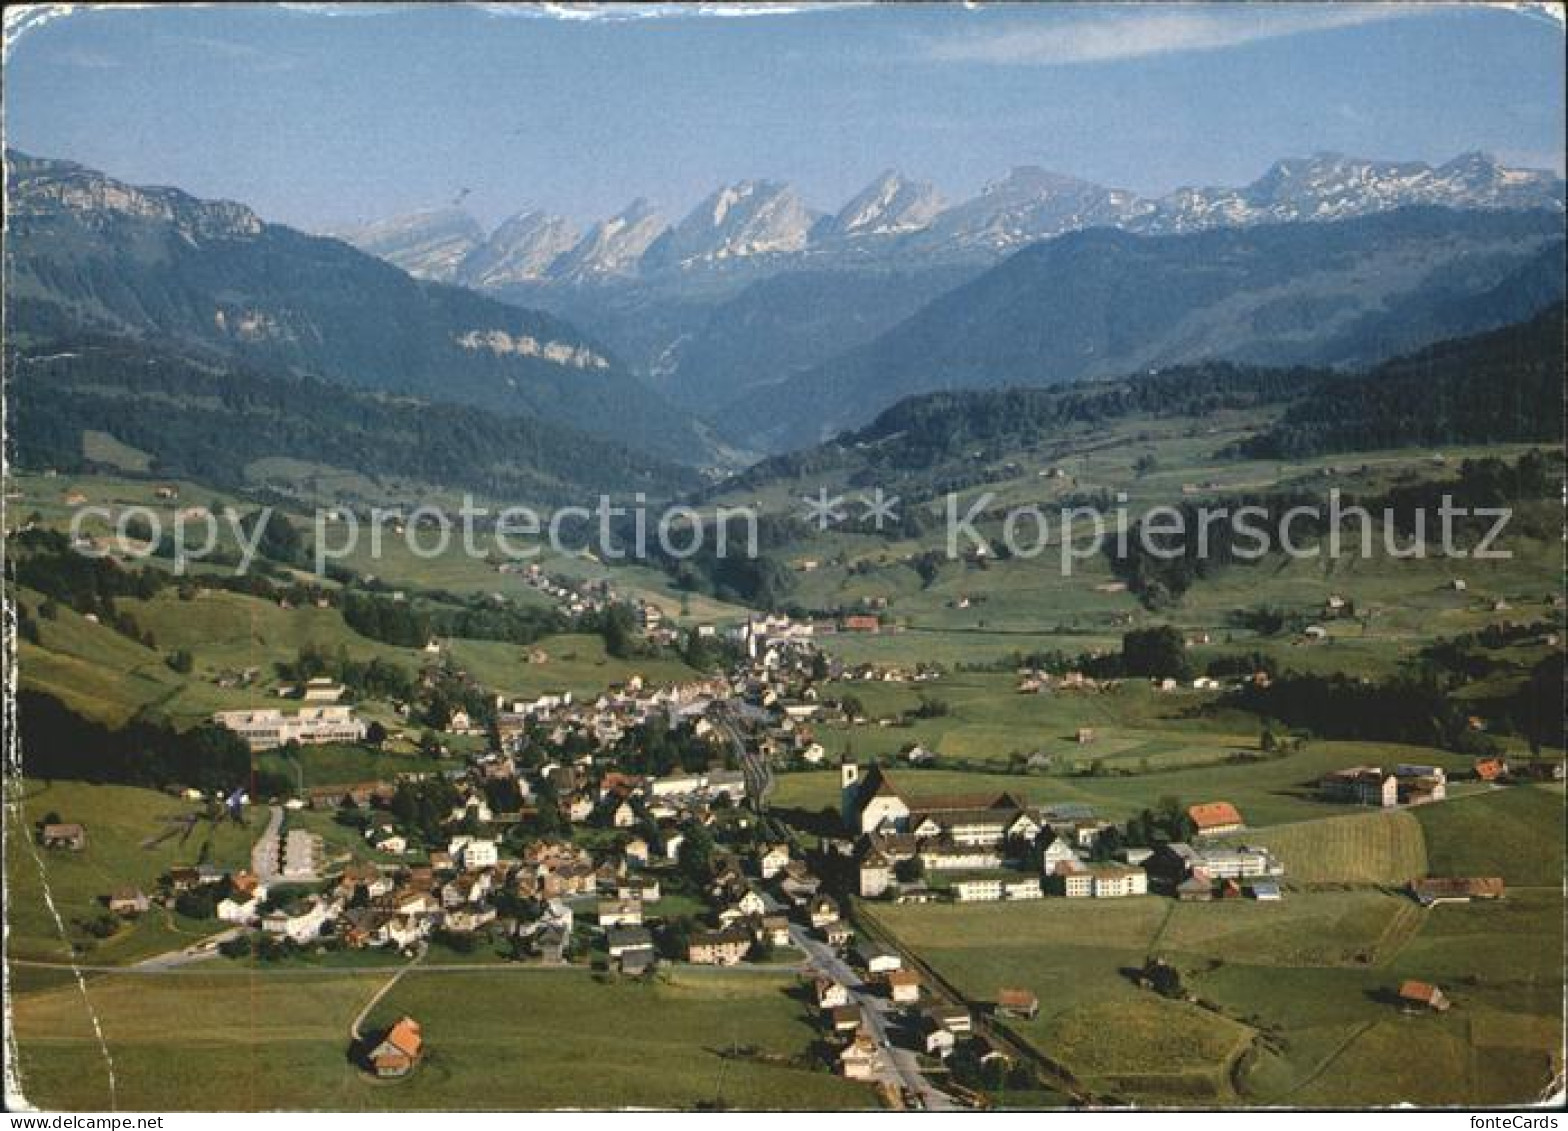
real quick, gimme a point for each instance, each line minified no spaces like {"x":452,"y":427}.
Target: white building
{"x":473,"y":852}
{"x":268,"y":728}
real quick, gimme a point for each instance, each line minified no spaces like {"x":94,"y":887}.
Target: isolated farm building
{"x":399,"y":1050}
{"x":1017,"y":1003}
{"x":1213,"y":818}
{"x":72,"y":837}
{"x":1434,"y":890}
{"x":1423,"y":995}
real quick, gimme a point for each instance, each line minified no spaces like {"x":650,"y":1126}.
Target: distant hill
{"x":1502,"y":386}
{"x":88,"y":253}
{"x":1103,"y":302}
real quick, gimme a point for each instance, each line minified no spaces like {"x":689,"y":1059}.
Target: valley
{"x":818,"y":637}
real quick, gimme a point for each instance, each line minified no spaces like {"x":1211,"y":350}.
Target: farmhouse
{"x":838,"y":934}
{"x":399,"y":1050}
{"x":1423,"y":996}
{"x":952,"y":1017}
{"x":939,"y":1041}
{"x":71,"y":837}
{"x":300,"y":922}
{"x":1434,"y":890}
{"x":773,"y":861}
{"x":1213,"y":818}
{"x":876,"y":874}
{"x":1017,"y":1003}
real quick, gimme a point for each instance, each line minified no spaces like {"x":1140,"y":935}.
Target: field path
{"x":386,"y":988}
{"x":1339,"y":1051}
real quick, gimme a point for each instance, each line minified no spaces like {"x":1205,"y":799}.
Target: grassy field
{"x":1277,"y":791}
{"x":132,"y":839}
{"x":1515,"y":833}
{"x":1297,"y":994}
{"x":1364,"y":848}
{"x":279,"y":1039}
{"x":571,"y":662}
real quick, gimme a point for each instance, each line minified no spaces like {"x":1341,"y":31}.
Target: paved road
{"x":899,"y":1066}
{"x":754,"y":764}
{"x":264,"y":856}
{"x":174,"y":959}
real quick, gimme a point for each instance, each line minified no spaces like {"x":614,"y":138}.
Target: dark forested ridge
{"x":208,"y":418}
{"x":86,"y":253}
{"x":1502,"y":386}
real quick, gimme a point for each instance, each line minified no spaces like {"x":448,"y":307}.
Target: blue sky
{"x":322,"y":116}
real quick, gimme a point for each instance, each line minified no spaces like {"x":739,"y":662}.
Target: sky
{"x":324,"y":116}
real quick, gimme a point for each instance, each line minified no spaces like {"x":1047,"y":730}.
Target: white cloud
{"x":1139,"y":31}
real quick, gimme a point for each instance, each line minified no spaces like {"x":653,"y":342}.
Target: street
{"x":898,"y":1066}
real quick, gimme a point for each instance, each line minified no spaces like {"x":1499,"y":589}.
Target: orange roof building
{"x":1423,"y":994}
{"x":1214,"y":817}
{"x":399,"y":1050}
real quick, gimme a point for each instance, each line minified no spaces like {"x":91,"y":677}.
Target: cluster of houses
{"x":983,"y":849}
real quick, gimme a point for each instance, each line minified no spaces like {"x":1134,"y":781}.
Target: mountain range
{"x":1100,"y":302}
{"x":765,"y":325}
{"x":768,"y":223}
{"x":87,"y":253}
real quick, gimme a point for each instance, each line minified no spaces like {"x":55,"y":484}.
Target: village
{"x":631,"y":832}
